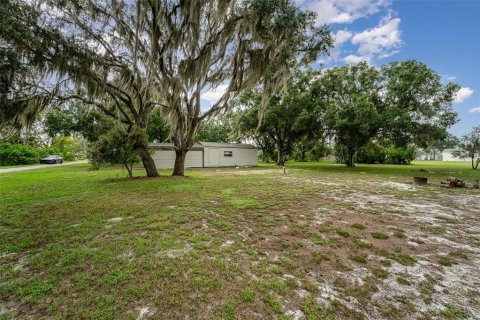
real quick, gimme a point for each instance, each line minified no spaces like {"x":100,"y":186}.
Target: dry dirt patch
{"x":414,"y":253}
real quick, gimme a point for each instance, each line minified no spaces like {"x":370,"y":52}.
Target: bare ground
{"x":425,"y":264}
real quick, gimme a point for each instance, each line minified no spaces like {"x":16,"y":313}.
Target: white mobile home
{"x":207,"y":155}
{"x":447,"y":155}
{"x":422,"y":155}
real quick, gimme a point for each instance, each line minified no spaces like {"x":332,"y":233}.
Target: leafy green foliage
{"x":215,"y":130}
{"x":289,"y":118}
{"x":20,"y":98}
{"x":379,"y":235}
{"x":399,"y":155}
{"x":76,"y":118}
{"x":158,"y":129}
{"x":469,"y":147}
{"x":14,"y":154}
{"x":372,"y":153}
{"x":419,"y":104}
{"x":354,"y":107}
{"x":376,"y":153}
{"x":118,"y":146}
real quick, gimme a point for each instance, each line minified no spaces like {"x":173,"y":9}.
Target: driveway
{"x":40,"y":166}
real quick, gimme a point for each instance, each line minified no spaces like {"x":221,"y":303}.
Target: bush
{"x":399,"y":155}
{"x":15,"y":154}
{"x":372,"y":153}
{"x":118,"y":146}
{"x":62,"y":146}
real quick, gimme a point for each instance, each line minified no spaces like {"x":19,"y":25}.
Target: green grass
{"x":342,"y":232}
{"x":435,"y":170}
{"x":403,"y":281}
{"x":87,"y":244}
{"x":447,"y":262}
{"x":380,"y":273}
{"x":379,"y":235}
{"x":359,"y":226}
{"x":360,"y":258}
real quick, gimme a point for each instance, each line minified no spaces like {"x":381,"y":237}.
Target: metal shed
{"x":164,"y":156}
{"x":228,"y":154}
{"x":207,"y":155}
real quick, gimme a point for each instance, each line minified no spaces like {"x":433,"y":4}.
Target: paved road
{"x":40,"y":166}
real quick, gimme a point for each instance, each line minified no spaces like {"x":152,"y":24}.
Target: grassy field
{"x":319,"y":242}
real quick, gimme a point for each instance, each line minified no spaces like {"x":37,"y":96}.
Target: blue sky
{"x":445,"y":35}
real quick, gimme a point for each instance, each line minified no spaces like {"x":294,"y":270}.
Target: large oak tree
{"x":128,"y":58}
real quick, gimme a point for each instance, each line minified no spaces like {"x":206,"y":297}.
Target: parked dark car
{"x":52,"y":159}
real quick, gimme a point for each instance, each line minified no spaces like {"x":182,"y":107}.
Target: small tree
{"x":119,"y":146}
{"x":469,"y":147}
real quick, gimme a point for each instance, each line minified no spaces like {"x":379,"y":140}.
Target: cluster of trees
{"x":397,"y":106}
{"x":127,"y":59}
{"x":124,"y":73}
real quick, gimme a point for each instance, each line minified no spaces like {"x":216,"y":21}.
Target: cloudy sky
{"x":443,"y":34}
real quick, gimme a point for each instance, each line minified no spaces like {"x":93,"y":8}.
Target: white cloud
{"x":463,"y":94}
{"x":353,"y":59}
{"x":475,"y":110}
{"x":380,"y":41}
{"x":213,"y":95}
{"x":342,"y":36}
{"x":342,"y":11}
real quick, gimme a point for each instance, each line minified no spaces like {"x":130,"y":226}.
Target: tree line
{"x":122,"y":74}
{"x":397,"y":105}
{"x":126,"y":59}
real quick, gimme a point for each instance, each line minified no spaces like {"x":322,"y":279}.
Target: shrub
{"x":14,"y":154}
{"x":399,"y":155}
{"x":372,"y":153}
{"x":118,"y":146}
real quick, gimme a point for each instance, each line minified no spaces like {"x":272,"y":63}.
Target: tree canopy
{"x":128,"y":58}
{"x":289,"y":116}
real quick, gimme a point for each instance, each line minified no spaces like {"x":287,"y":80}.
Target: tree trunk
{"x":179,"y":168}
{"x":148,"y":163}
{"x":129,"y":168}
{"x":280,"y":156}
{"x":351,"y":157}
{"x":303,"y":155}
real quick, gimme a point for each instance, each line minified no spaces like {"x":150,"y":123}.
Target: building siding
{"x":215,"y":157}
{"x":207,"y":154}
{"x":165,"y":159}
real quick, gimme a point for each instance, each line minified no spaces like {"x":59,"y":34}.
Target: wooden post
{"x":420,"y":180}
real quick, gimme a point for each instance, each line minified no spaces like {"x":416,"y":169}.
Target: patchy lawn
{"x":321,"y":242}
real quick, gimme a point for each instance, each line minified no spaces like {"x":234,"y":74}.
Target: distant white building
{"x":207,"y":154}
{"x":422,"y":155}
{"x":445,"y":155}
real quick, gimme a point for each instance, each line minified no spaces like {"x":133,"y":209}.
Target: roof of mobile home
{"x":201,"y":145}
